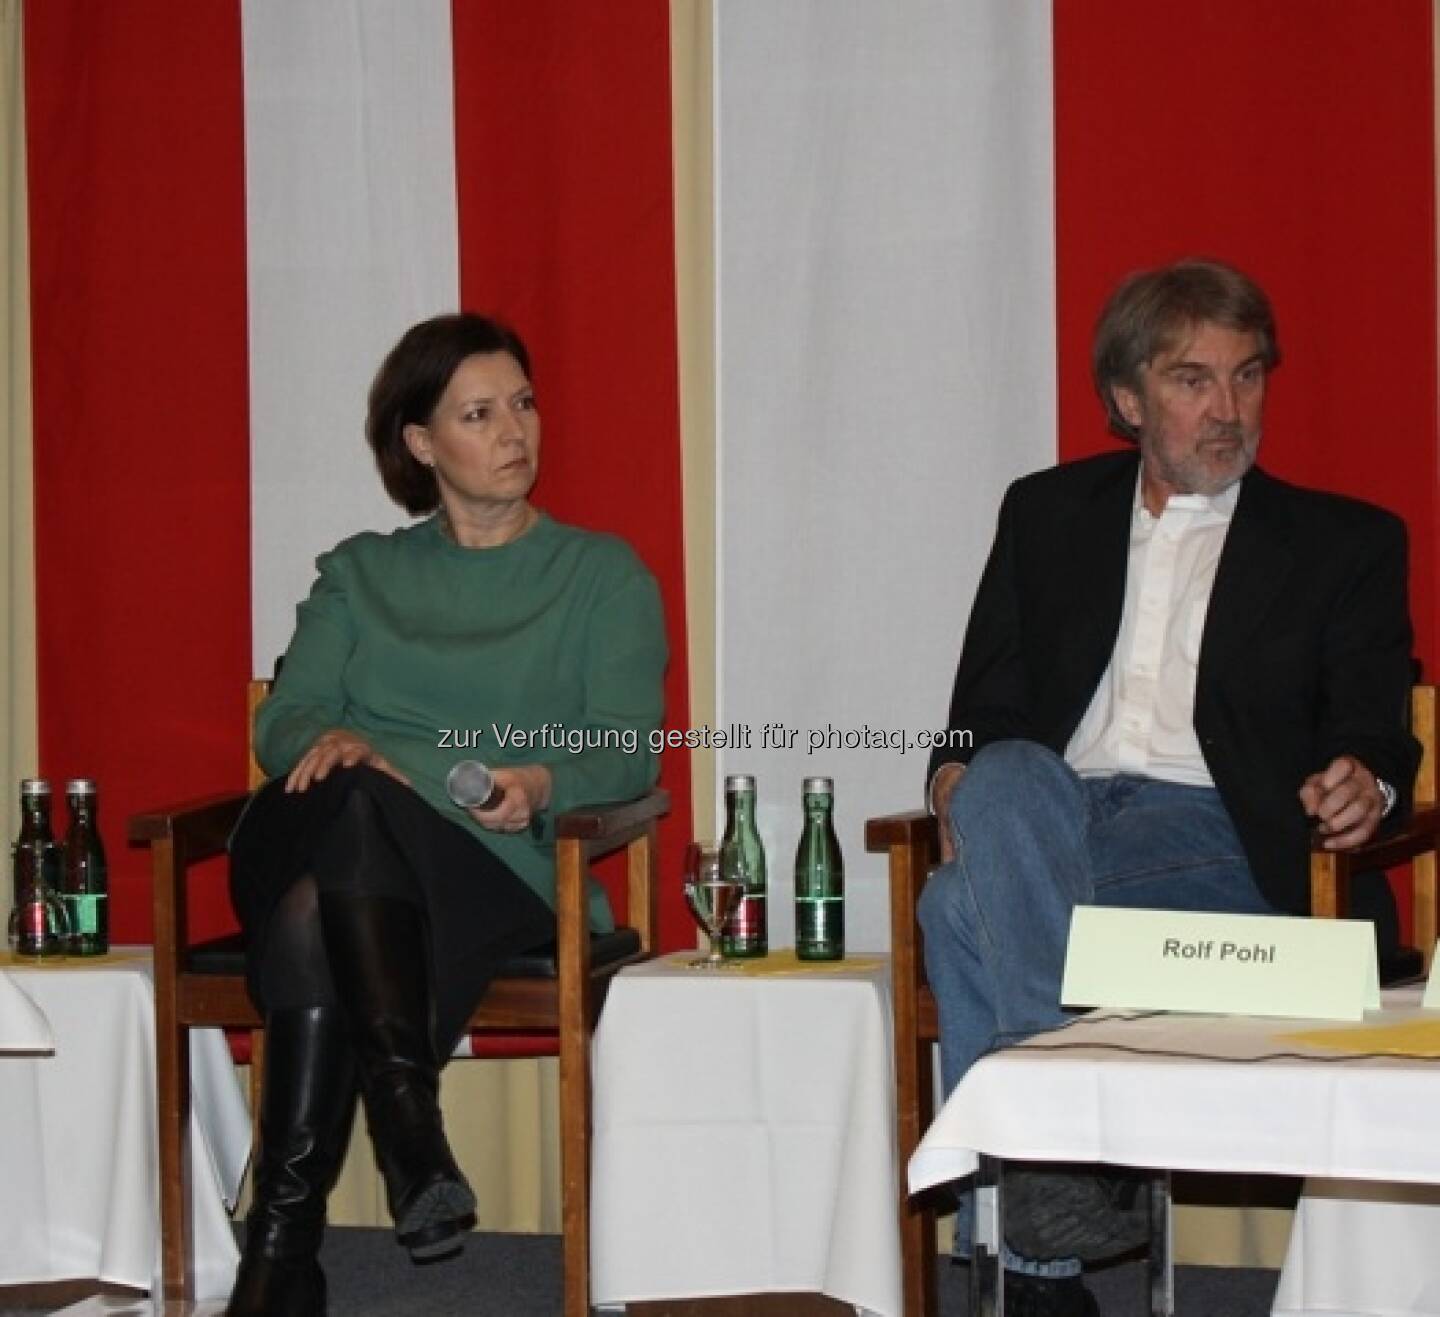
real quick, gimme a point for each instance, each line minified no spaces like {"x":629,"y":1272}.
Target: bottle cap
{"x":819,"y":786}
{"x":740,"y":782}
{"x":34,"y":786}
{"x":80,"y":786}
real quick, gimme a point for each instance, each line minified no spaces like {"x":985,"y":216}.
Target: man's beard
{"x":1194,"y":474}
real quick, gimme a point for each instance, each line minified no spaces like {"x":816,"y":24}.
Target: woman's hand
{"x":527,"y":792}
{"x":338,"y":747}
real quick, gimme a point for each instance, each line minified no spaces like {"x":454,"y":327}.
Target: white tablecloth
{"x":745,"y":1136}
{"x":23,"y":1026}
{"x":1360,"y":1249}
{"x":79,"y":1190}
{"x":1223,"y":1094}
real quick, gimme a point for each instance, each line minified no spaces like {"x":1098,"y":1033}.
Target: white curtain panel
{"x":885,"y":295}
{"x":351,"y":216}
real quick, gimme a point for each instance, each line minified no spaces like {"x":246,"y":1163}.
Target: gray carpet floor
{"x":520,"y":1276}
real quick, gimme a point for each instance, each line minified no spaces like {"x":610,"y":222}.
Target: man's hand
{"x":942,"y":787}
{"x":342,"y":747}
{"x":527,"y":792}
{"x":1345,"y":802}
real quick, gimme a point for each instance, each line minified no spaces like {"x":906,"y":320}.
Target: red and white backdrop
{"x":916,"y":210}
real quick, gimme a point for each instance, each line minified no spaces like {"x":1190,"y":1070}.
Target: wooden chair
{"x":557,"y":992}
{"x":911,"y":842}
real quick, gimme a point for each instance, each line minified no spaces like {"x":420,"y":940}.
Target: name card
{"x":1176,"y":960}
{"x":1431,"y":1000}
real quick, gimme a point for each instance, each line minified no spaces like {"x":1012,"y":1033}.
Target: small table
{"x":744,"y":1133}
{"x":79,"y":1197}
{"x":1206,"y":1093}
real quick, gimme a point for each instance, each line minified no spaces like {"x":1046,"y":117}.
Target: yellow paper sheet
{"x":1410,"y":1038}
{"x":115,"y":956}
{"x":779,"y":963}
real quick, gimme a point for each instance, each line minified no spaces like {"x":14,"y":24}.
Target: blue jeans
{"x":1033,"y":840}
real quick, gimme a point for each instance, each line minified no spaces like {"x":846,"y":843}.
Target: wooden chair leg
{"x":575,"y":1172}
{"x":173,"y":1118}
{"x":1423,"y":910}
{"x":1329,"y":885}
{"x":257,"y":1073}
{"x":575,"y":1020}
{"x":257,"y":1089}
{"x":917,"y":1260}
{"x":917,"y":1217}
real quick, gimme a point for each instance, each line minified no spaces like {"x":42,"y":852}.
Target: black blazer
{"x":1305,"y":655}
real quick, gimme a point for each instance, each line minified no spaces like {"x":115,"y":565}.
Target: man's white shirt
{"x":1141,"y":718}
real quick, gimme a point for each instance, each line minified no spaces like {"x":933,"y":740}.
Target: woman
{"x":375,"y":910}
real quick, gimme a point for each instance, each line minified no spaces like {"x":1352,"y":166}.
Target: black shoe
{"x":1039,"y":1296}
{"x":305,"y":1115}
{"x":1058,"y":1211}
{"x":379,"y":959}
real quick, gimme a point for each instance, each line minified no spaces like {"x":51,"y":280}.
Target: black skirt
{"x":479,"y":913}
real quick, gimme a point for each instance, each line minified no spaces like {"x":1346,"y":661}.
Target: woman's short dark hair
{"x":1153,"y":310}
{"x":410,"y":383}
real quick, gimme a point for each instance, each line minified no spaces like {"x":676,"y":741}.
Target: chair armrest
{"x":915,"y":830}
{"x":1417,"y":840}
{"x":610,"y":822}
{"x":1416,"y":834}
{"x":581,"y":834}
{"x":200,"y":827}
{"x":179,"y":836}
{"x":911,"y":844}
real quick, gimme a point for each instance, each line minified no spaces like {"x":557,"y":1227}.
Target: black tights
{"x":294,"y":970}
{"x":356,"y":856}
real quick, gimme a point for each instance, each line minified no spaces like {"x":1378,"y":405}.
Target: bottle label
{"x":820,"y":927}
{"x":36,"y":928}
{"x":745,"y":930}
{"x":85,"y":913}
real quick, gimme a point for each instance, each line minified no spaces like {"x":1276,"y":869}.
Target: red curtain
{"x":137,"y":259}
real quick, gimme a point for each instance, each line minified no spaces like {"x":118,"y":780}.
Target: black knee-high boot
{"x":379,"y":958}
{"x":306,"y":1111}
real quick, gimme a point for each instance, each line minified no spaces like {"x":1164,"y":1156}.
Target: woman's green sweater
{"x":548,"y":650}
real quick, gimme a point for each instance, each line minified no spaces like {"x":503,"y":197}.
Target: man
{"x":1176,"y":667}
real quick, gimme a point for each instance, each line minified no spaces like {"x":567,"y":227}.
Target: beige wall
{"x":502,"y":1118}
{"x":692,"y":98}
{"x":19,"y":754}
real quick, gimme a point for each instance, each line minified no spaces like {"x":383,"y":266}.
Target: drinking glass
{"x":712,"y":898}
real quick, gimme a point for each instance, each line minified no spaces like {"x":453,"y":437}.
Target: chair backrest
{"x":1422,"y":724}
{"x":255,"y":693}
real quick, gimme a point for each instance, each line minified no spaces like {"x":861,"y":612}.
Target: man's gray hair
{"x":1150,"y":312}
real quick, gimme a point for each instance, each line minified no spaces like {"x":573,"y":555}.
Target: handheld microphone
{"x":472,"y":786}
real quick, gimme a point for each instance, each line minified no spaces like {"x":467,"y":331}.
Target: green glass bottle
{"x":37,"y":921}
{"x":819,"y":878}
{"x":86,"y":884}
{"x":742,"y":858}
